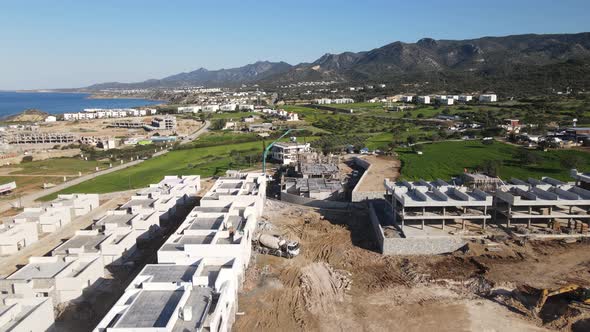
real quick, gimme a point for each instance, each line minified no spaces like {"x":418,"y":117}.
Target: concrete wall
{"x":359,"y":196}
{"x":412,"y":246}
{"x":421,"y":246}
{"x":322,"y":204}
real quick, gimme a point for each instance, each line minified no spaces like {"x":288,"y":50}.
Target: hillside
{"x":30,"y":115}
{"x":522,"y":61}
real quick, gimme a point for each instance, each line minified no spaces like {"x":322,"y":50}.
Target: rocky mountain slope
{"x":479,"y":62}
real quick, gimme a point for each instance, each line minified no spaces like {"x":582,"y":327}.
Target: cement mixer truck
{"x":268,"y":244}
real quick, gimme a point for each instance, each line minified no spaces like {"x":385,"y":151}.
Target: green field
{"x":447,"y":159}
{"x":201,"y":161}
{"x":232,"y":115}
{"x":58,"y":166}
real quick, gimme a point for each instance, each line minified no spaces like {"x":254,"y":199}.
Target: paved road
{"x":197,"y":133}
{"x":29,"y":200}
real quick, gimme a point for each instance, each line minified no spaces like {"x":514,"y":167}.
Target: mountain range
{"x":483,"y":63}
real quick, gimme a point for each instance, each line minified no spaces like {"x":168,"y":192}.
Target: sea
{"x":56,"y":103}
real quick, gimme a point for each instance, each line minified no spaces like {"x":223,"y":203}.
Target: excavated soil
{"x":339,"y":282}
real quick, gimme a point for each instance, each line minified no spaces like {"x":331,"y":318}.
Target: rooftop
{"x":40,"y":270}
{"x":169,"y":272}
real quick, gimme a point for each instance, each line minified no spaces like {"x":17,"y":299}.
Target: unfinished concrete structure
{"x":39,"y":138}
{"x":177,"y":298}
{"x":319,"y":170}
{"x":547,"y":202}
{"x":313,"y":188}
{"x":79,"y":204}
{"x":288,"y":152}
{"x":48,"y":219}
{"x":239,"y":189}
{"x":61,"y":278}
{"x":424,"y":202}
{"x":212,"y":232}
{"x":200,"y":267}
{"x":582,"y":179}
{"x":16,"y":236}
{"x":26,"y":315}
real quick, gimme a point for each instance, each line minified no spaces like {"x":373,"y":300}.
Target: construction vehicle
{"x":268,"y":244}
{"x":577,"y":293}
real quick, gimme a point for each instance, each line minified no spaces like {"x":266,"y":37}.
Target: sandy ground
{"x":100,"y":127}
{"x":338,"y":283}
{"x":382,"y":167}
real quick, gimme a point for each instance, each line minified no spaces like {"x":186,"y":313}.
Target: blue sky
{"x":63,"y":43}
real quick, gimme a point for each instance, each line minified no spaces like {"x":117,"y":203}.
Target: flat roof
{"x":201,"y":223}
{"x":89,"y":242}
{"x":151,"y":309}
{"x":39,"y":270}
{"x":188,"y":239}
{"x":145,"y":202}
{"x":121,"y":219}
{"x":169,"y":272}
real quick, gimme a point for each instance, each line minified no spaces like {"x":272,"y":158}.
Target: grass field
{"x":58,"y":166}
{"x":204,"y":161}
{"x":232,"y":115}
{"x":201,"y":161}
{"x":447,"y":159}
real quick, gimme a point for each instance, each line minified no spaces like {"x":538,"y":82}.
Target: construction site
{"x":474,"y":255}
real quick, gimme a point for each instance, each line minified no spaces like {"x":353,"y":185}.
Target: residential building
{"x":287,"y":152}
{"x":488,"y":98}
{"x":177,"y":298}
{"x":407,"y":99}
{"x":465,"y":98}
{"x":61,"y":278}
{"x":80,"y":204}
{"x":16,"y":236}
{"x":189,"y":109}
{"x":164,"y":123}
{"x":421,"y":203}
{"x":424,"y":100}
{"x":26,"y":314}
{"x":547,"y":201}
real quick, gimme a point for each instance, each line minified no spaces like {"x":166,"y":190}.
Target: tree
{"x":26,"y":159}
{"x":527,"y":157}
{"x":491,"y":167}
{"x":571,"y":161}
{"x":411,"y":140}
{"x":218,"y":124}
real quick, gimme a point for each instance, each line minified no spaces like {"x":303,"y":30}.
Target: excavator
{"x":577,"y":293}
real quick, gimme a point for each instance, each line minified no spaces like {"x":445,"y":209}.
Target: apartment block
{"x":546,"y":201}
{"x":416,"y":204}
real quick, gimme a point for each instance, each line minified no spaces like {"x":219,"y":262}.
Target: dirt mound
{"x":322,"y":286}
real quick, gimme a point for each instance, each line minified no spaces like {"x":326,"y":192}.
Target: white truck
{"x":268,"y":244}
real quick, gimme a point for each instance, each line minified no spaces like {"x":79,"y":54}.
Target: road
{"x":29,"y":199}
{"x":197,"y":133}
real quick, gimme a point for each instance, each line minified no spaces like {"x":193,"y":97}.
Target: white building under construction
{"x":419,"y":203}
